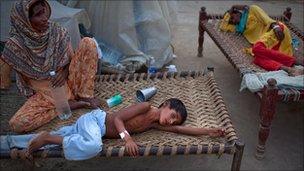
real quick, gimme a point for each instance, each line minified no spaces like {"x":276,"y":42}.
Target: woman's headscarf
{"x":31,"y":53}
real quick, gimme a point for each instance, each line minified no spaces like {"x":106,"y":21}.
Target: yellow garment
{"x":258,"y":23}
{"x":225,"y":26}
{"x":257,"y":29}
{"x":286,"y":46}
{"x":270,"y":40}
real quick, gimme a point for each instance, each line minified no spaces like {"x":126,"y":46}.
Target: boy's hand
{"x":217,"y":132}
{"x":131,"y":147}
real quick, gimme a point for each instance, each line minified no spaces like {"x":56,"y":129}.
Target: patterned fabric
{"x":39,"y":108}
{"x":5,"y":72}
{"x":83,"y":69}
{"x":34,"y":54}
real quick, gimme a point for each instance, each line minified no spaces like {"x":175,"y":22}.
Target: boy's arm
{"x":214,"y":132}
{"x":124,"y":115}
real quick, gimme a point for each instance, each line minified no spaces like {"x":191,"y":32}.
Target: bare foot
{"x":296,"y":72}
{"x":38,"y":142}
{"x":217,"y":132}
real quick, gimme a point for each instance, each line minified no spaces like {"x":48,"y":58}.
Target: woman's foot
{"x":296,"y":72}
{"x":293,"y":71}
{"x":38,"y":142}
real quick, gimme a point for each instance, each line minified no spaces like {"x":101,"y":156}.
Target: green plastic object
{"x":114,"y":100}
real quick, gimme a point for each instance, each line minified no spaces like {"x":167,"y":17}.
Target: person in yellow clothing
{"x":271,"y":40}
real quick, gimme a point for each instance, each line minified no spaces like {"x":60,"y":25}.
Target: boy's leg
{"x":35,"y":112}
{"x":86,"y":142}
{"x":79,"y":142}
{"x":42,"y":139}
{"x":83,"y":68}
{"x":35,"y":141}
{"x":15,"y":141}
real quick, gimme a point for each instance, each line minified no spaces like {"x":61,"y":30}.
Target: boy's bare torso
{"x":136,"y":124}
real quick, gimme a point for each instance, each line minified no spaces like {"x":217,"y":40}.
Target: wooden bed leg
{"x":267,"y":111}
{"x":287,"y":14}
{"x":202,"y":18}
{"x":238,"y":155}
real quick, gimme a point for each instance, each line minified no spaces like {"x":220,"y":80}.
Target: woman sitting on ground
{"x":271,"y":40}
{"x":38,"y":46}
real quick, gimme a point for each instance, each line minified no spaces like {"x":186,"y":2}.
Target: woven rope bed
{"x":232,"y":46}
{"x":202,"y":98}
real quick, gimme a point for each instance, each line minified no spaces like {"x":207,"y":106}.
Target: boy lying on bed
{"x":82,"y":140}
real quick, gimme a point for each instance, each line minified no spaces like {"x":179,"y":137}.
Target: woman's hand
{"x":131,"y":146}
{"x":94,"y":102}
{"x":60,"y":78}
{"x":78,"y":104}
{"x":278,"y":31}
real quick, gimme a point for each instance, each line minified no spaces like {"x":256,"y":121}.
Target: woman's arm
{"x":62,"y":75}
{"x":213,"y":132}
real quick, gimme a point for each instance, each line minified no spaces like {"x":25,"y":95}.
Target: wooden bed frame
{"x":270,"y":93}
{"x":199,"y":92}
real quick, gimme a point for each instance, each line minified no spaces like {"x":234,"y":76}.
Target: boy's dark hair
{"x":178,"y":106}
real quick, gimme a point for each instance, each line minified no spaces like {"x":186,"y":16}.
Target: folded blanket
{"x":256,"y":81}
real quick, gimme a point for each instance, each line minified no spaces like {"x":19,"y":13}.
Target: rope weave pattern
{"x":199,"y":93}
{"x":233,"y":45}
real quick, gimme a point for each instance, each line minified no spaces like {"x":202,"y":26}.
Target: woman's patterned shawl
{"x":33,"y":54}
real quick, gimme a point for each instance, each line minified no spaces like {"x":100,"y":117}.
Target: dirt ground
{"x":285,"y":144}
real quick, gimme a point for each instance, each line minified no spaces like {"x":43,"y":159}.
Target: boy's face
{"x":169,"y":116}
